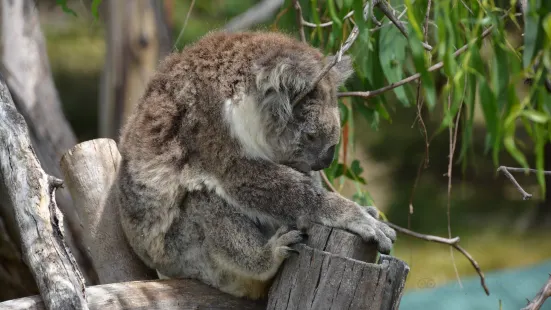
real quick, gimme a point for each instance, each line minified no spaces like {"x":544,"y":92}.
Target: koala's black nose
{"x":328,"y":157}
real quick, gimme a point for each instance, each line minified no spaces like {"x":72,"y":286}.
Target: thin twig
{"x":454,"y":242}
{"x":540,"y":298}
{"x":476,"y":267}
{"x":411,"y":78}
{"x":327,"y":182}
{"x":352,"y":36}
{"x":184,"y":26}
{"x":453,"y":143}
{"x":327,"y":24}
{"x":386,"y":9}
{"x":405,"y":231}
{"x":300,"y":20}
{"x":419,"y":104}
{"x":507,"y":171}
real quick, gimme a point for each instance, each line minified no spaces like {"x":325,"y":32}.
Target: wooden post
{"x":90,"y":169}
{"x":337,"y":270}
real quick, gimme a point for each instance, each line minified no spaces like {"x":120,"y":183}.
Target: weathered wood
{"x":395,"y":281}
{"x":137,"y":38}
{"x":89,"y":169}
{"x":159,"y":294}
{"x":29,"y":194}
{"x":27,"y":72}
{"x":340,"y":242}
{"x":336,"y":270}
{"x":320,"y":280}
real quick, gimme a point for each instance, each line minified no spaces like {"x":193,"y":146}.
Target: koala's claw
{"x":372,"y":211}
{"x":283,"y":239}
{"x":374,"y":231}
{"x":293,"y":251}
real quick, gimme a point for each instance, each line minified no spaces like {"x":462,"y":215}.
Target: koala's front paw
{"x":371,"y":229}
{"x":283,"y":238}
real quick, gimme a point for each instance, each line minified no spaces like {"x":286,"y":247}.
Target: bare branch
{"x":327,"y":24}
{"x":300,"y":20}
{"x":257,"y":14}
{"x":30,"y":193}
{"x":454,"y":242}
{"x":411,"y":78}
{"x":405,"y":231}
{"x":476,"y":267}
{"x":185,"y":24}
{"x":507,"y":171}
{"x":541,"y":296}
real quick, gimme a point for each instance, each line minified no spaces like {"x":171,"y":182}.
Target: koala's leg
{"x":237,"y":244}
{"x":289,"y":196}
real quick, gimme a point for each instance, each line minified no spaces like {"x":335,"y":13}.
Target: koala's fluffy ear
{"x":342,"y":70}
{"x":280,"y":77}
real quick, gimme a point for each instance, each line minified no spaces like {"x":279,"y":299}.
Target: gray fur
{"x":217,"y":166}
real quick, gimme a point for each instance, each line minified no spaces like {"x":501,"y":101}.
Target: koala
{"x":219,"y":165}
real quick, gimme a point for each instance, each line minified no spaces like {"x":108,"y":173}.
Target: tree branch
{"x":507,"y":171}
{"x":541,"y":296}
{"x":30,"y":194}
{"x":300,"y":20}
{"x":454,"y":242}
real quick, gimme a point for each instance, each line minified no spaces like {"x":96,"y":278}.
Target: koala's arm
{"x":286,"y":194}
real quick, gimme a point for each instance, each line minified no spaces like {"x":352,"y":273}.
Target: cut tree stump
{"x":335,"y":270}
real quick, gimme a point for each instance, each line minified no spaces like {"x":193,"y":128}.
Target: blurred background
{"x":508,"y":236}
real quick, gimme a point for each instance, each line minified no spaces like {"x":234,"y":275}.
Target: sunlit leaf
{"x":536,"y":116}
{"x":392,"y":51}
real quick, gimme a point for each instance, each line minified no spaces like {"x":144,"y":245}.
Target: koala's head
{"x":301,"y":135}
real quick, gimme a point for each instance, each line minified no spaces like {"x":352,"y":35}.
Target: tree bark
{"x":159,"y":294}
{"x":29,"y":195}
{"x":28,"y":76}
{"x":90,"y":169}
{"x":137,"y":38}
{"x":336,"y":270}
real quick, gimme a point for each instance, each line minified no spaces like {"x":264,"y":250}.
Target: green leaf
{"x":371,"y":115}
{"x":65,"y":8}
{"x":489,"y":109}
{"x":95,"y":8}
{"x":392,"y":53}
{"x":533,"y":29}
{"x":355,"y":167}
{"x":539,"y":131}
{"x":500,"y":75}
{"x":536,"y":116}
{"x":421,"y":65}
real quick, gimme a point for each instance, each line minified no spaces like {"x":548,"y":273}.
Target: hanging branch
{"x":507,"y":171}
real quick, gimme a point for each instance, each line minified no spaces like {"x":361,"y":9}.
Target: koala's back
{"x":192,"y":86}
